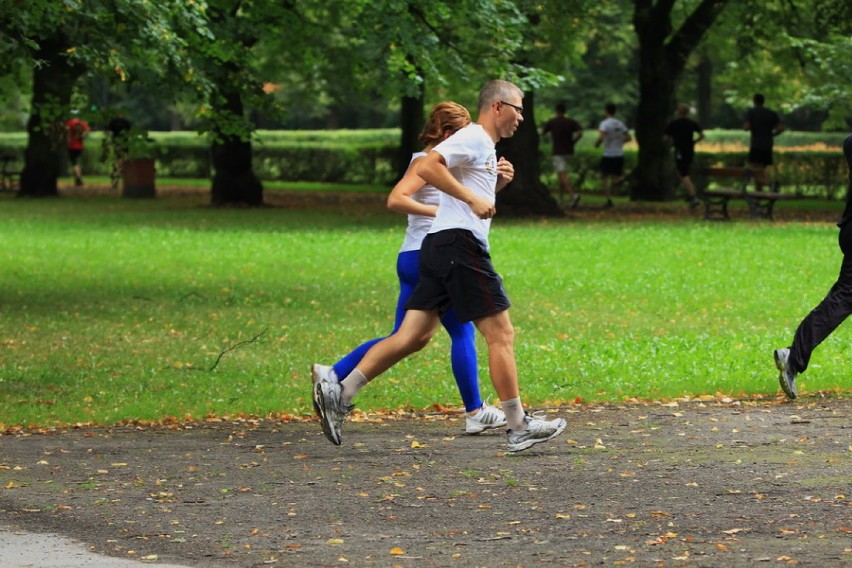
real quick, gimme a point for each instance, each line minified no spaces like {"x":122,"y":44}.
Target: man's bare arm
{"x":434,"y":170}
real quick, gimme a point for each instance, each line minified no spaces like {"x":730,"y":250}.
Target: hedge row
{"x":820,"y":174}
{"x":814,"y":172}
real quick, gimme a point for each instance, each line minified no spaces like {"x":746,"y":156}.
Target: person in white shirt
{"x":612,"y":133}
{"x":456,"y":271}
{"x":419,"y":201}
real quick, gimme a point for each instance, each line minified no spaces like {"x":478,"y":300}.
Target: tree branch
{"x":690,"y":33}
{"x":237,"y":346}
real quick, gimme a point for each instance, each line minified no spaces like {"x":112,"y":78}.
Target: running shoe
{"x":330,"y":409}
{"x":321,"y":373}
{"x":537,"y":431}
{"x":787,"y":376}
{"x":487,"y":417}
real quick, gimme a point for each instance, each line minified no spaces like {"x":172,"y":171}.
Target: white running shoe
{"x":320,"y":374}
{"x":786,"y":375}
{"x":330,"y":408}
{"x":487,"y":417}
{"x":537,"y":431}
{"x":323,"y":373}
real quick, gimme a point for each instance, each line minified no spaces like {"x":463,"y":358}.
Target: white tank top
{"x":419,"y":225}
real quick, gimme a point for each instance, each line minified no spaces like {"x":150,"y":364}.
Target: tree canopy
{"x":229,"y":65}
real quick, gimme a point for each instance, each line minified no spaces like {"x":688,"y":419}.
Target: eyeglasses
{"x":520,"y":109}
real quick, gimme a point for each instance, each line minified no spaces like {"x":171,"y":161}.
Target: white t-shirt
{"x":472,"y":160}
{"x":613,"y":137}
{"x":419,"y":225}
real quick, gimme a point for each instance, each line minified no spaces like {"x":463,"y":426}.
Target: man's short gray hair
{"x":497,"y":90}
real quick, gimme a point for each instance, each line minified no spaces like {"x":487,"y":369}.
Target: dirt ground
{"x":713,"y":483}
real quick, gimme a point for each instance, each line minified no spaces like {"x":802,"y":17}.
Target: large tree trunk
{"x":53,"y":83}
{"x":411,"y":123}
{"x":651,"y":179}
{"x":234,"y":180}
{"x":526,"y":195}
{"x":662,"y":59}
{"x":705,"y":93}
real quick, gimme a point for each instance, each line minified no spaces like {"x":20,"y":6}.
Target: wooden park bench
{"x":10,"y":176}
{"x":760,"y":203}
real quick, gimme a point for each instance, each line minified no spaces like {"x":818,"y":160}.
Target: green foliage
{"x":116,"y":310}
{"x":599,"y":63}
{"x":125,"y":41}
{"x":807,"y":44}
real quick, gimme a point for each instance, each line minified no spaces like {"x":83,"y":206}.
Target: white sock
{"x":514,"y":411}
{"x":353,"y":382}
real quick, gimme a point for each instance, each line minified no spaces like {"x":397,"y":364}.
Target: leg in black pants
{"x":834,"y":308}
{"x":823,"y":319}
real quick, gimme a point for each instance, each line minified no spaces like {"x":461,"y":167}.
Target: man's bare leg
{"x":759,"y":174}
{"x":606,"y":188}
{"x":564,"y":186}
{"x":499,"y":334}
{"x":524,"y":431}
{"x":414,"y":334}
{"x":332,"y":401}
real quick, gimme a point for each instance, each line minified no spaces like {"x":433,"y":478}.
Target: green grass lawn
{"x":116,"y":310}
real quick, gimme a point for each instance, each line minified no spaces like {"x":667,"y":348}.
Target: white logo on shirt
{"x":491,"y":164}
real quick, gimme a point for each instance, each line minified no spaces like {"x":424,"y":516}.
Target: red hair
{"x":444,"y":117}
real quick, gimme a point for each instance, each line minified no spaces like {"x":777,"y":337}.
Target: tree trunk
{"x":53,"y":83}
{"x":651,"y":180}
{"x":234,"y":180}
{"x":526,"y":195}
{"x":662,"y":59}
{"x":705,"y":93}
{"x":411,"y":123}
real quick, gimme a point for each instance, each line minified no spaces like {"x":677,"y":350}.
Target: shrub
{"x":813,"y":166}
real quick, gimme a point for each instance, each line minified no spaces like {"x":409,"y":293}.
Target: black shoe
{"x":694,"y":202}
{"x":608,"y":205}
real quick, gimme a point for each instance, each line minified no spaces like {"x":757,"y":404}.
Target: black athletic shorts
{"x":612,"y":165}
{"x":74,"y":156}
{"x":683,"y":163}
{"x":456,"y":271}
{"x":760,"y":156}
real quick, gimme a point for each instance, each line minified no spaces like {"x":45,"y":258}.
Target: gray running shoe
{"x":537,"y":431}
{"x":787,"y":376}
{"x":487,"y":417}
{"x":321,"y":373}
{"x":330,"y":409}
